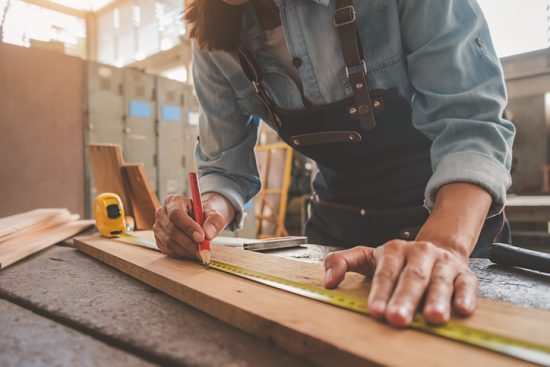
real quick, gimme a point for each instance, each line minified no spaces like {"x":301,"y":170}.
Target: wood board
{"x":14,"y":224}
{"x":106,"y":162}
{"x":143,"y":199}
{"x":321,"y":333}
{"x":31,"y":242}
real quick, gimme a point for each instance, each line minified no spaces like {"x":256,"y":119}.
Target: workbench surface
{"x":62,"y":308}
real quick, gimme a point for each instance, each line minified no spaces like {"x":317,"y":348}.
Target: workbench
{"x":63,"y":308}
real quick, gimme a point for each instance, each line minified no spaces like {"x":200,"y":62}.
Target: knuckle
{"x":393,"y":246}
{"x":446,"y":256}
{"x":416,"y":272}
{"x":169,"y":199}
{"x":386,"y":274}
{"x":331,"y":258}
{"x":466,"y":280}
{"x":439,"y":278}
{"x":173,"y":215}
{"x":425,"y":246}
{"x":158,"y":212}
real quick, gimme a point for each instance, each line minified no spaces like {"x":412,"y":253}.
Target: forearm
{"x":457,"y":218}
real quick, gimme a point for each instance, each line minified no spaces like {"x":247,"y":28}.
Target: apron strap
{"x":254,"y":74}
{"x":356,"y":67}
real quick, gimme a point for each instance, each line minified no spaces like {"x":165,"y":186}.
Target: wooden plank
{"x":21,"y":246}
{"x":106,"y":162}
{"x":143,"y":199}
{"x":321,"y":333}
{"x":9,"y":226}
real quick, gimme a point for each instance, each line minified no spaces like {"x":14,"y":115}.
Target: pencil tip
{"x":205,"y":257}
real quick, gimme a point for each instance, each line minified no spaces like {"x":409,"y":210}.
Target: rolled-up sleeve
{"x":225,"y":153}
{"x":459,"y":95}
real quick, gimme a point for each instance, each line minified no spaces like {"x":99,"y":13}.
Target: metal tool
{"x":504,"y":254}
{"x":267,"y":244}
{"x":513,"y":347}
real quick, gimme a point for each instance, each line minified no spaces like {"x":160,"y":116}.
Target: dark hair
{"x":214,"y":24}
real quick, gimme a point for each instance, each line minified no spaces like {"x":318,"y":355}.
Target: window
{"x":138,"y":29}
{"x":25,"y":23}
{"x":518,"y":26}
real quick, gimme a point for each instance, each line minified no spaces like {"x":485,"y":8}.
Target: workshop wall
{"x":41,"y":129}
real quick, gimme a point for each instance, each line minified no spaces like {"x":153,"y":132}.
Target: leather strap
{"x":326,"y":137}
{"x":253,"y":73}
{"x":356,"y":67}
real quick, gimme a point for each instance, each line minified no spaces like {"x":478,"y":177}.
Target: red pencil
{"x":204,"y":246}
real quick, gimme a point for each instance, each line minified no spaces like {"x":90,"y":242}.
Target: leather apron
{"x":373,"y":163}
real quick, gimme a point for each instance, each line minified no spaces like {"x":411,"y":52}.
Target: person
{"x":400,"y":104}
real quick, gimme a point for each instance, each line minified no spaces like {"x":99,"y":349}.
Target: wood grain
{"x":143,"y":199}
{"x":323,"y":334}
{"x":106,"y":162}
{"x":30,"y":242}
{"x":15,"y":224}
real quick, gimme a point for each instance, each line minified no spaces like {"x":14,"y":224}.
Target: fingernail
{"x":466,"y":302}
{"x":404,"y":311}
{"x":328,"y":276}
{"x":197,"y":237}
{"x":439,"y":308}
{"x":210,"y":230}
{"x":378,"y":306}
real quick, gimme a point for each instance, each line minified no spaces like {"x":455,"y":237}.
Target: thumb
{"x":213,"y":223}
{"x":358,"y":259}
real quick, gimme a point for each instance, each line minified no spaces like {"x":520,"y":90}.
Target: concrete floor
{"x":67,"y":287}
{"x":63,"y":308}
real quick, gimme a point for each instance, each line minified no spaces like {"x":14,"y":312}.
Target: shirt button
{"x":297,"y":62}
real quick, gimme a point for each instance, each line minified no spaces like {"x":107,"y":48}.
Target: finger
{"x":411,"y":284}
{"x":389,"y":263}
{"x":358,"y":259}
{"x":175,"y":234}
{"x":440,"y":291}
{"x":170,"y":248}
{"x":177,"y":211}
{"x":213,"y":224}
{"x":465,"y":292}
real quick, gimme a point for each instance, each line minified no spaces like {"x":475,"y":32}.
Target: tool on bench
{"x":110,"y":220}
{"x":198,"y":213}
{"x":503,"y":254}
{"x":513,"y":347}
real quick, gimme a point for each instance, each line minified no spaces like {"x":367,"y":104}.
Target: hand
{"x":402,"y":272}
{"x":176,"y":232}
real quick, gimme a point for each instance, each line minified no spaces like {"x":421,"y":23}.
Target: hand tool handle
{"x":198,"y":211}
{"x":503,"y":254}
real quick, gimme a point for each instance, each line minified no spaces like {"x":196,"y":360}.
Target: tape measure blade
{"x":328,"y":296}
{"x":520,"y":349}
{"x":138,"y":241}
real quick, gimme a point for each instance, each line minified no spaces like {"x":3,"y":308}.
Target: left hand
{"x":402,"y":272}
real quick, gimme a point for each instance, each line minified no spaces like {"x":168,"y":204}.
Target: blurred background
{"x":78,"y":72}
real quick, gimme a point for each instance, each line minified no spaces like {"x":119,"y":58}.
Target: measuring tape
{"x":524,"y":350}
{"x":513,"y":347}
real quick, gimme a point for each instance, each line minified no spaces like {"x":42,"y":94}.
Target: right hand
{"x":176,"y":232}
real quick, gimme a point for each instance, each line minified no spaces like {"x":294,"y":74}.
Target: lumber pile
{"x":129,"y":181}
{"x":320,"y":333}
{"x":24,"y":234}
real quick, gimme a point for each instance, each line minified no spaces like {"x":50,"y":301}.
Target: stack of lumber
{"x":24,"y":234}
{"x":129,"y":181}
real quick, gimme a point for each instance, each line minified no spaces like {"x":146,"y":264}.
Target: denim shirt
{"x":437,"y":54}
